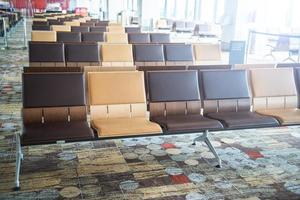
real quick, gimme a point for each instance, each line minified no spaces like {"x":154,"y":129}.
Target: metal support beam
{"x":5,"y":36}
{"x":204,"y":138}
{"x":25,"y":33}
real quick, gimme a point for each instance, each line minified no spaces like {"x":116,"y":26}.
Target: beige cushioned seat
{"x":123,"y":57}
{"x":117,"y":38}
{"x":64,"y":28}
{"x":118,"y":104}
{"x":207,"y":52}
{"x":43,"y":36}
{"x":274,"y":94}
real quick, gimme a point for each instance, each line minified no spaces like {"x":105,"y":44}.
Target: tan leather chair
{"x":117,"y":38}
{"x":118,"y":104}
{"x":207,"y":52}
{"x":39,"y":19}
{"x":72,"y":23}
{"x":43,"y":36}
{"x":253,"y":66}
{"x":123,"y":57}
{"x":64,"y":28}
{"x":116,"y":29}
{"x":274,"y":94}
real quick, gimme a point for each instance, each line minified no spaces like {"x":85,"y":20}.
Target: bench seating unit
{"x":68,"y":37}
{"x":82,"y":54}
{"x":40,"y":27}
{"x":209,"y":67}
{"x":43,"y":36}
{"x":46,"y":54}
{"x":177,"y":105}
{"x":115,"y":29}
{"x":47,"y":119}
{"x":123,"y":57}
{"x":178,"y":54}
{"x":160,"y":38}
{"x":118,"y":104}
{"x":226,"y":97}
{"x":134,"y":38}
{"x":149,"y":55}
{"x":275,"y":94}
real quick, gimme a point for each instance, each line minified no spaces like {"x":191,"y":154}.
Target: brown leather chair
{"x":81,"y":29}
{"x":68,"y":37}
{"x":226,"y":98}
{"x":148,"y":55}
{"x":135,"y":38}
{"x":46,"y":54}
{"x":160,"y":38}
{"x":92,"y":37}
{"x":133,"y":29}
{"x":118,"y":104}
{"x":177,"y":106}
{"x":51,"y":69}
{"x":82,"y":54}
{"x":178,"y":54}
{"x":101,"y":29}
{"x":275,"y":94}
{"x":48,"y":120}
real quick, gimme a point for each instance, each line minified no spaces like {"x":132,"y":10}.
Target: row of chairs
{"x":89,"y":54}
{"x":84,"y":27}
{"x":120,"y":38}
{"x":10,"y":19}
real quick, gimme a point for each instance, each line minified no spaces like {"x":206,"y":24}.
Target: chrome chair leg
{"x":204,"y":138}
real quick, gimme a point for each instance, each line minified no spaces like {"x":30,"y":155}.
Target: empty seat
{"x":72,"y":23}
{"x":274,"y":94}
{"x":68,"y":37}
{"x":55,"y":22}
{"x":138,"y":38}
{"x":82,"y":54}
{"x":226,"y":97}
{"x":118,"y":108}
{"x":149,"y":55}
{"x":82,"y":29}
{"x":253,"y":66}
{"x":46,"y":54}
{"x":40,"y":27}
{"x":116,"y":29}
{"x":40,"y":23}
{"x":92,"y":37}
{"x":124,"y":57}
{"x":178,"y":54}
{"x":48,"y":120}
{"x":160,"y":38}
{"x":43,"y":36}
{"x":51,"y":69}
{"x":132,"y":29}
{"x":87,"y":24}
{"x":207,"y":52}
{"x":118,"y":38}
{"x":98,"y":29}
{"x":175,"y":102}
{"x":102,"y":23}
{"x":61,"y":28}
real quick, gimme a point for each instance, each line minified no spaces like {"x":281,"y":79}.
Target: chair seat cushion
{"x":243,"y":119}
{"x":51,"y":132}
{"x":112,"y":127}
{"x":284,"y":116}
{"x":186,"y":123}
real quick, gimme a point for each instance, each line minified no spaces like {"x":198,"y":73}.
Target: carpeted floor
{"x":257,"y":163}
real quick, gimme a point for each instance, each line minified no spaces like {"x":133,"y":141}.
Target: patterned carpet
{"x":257,"y":163}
